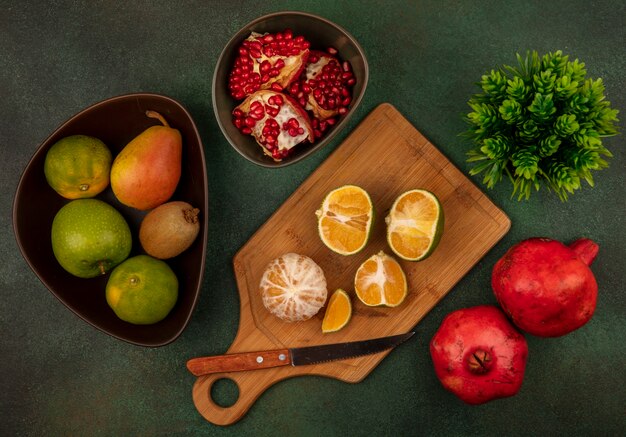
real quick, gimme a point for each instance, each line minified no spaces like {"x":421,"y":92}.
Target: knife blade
{"x":293,"y":356}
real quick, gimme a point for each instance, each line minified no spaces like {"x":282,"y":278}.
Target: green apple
{"x":90,"y":237}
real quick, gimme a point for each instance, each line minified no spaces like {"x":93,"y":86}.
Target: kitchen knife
{"x":295,"y":356}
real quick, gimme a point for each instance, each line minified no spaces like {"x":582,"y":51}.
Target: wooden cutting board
{"x":386,"y":156}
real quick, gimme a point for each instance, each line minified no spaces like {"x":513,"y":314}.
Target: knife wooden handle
{"x":239,"y":362}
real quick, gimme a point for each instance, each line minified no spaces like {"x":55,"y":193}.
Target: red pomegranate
{"x":267,"y":61}
{"x":275,"y":120}
{"x":479,"y":355}
{"x":324,"y":88}
{"x":546,"y":287}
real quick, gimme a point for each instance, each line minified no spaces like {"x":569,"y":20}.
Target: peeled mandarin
{"x":293,"y":287}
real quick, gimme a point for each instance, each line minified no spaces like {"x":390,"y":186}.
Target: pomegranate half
{"x":275,"y":120}
{"x":269,"y":60}
{"x":479,"y":355}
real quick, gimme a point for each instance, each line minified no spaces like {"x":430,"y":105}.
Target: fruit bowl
{"x":116,"y":121}
{"x":322,"y":34}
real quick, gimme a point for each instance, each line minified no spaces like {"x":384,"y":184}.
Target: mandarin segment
{"x":293,"y":287}
{"x":380,"y":281}
{"x":345,"y":219}
{"x":338,"y":312}
{"x":415,"y":225}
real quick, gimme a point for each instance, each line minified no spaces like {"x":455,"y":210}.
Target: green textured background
{"x":60,"y":376}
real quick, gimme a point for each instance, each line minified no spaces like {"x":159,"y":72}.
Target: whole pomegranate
{"x":479,"y":355}
{"x":546,"y":287}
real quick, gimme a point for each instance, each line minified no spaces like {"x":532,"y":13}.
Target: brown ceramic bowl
{"x":322,"y":34}
{"x":115,"y":121}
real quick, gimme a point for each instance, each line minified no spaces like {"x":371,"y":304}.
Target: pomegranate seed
{"x":279,"y":64}
{"x":332,"y":50}
{"x":302,"y":101}
{"x":331,"y":121}
{"x":346,"y":101}
{"x":323,"y":126}
{"x":346,"y":66}
{"x":313,"y":83}
{"x":238,"y":113}
{"x":293,"y":89}
{"x":265,"y":66}
{"x":300,"y":131}
{"x":268,"y":38}
{"x":271,"y":111}
{"x":316,"y":123}
{"x":255,"y":53}
{"x":317,"y":133}
{"x":276,"y":87}
{"x":343,"y":110}
{"x":293,"y":123}
{"x":238,"y":123}
{"x":350,"y":82}
{"x":331,"y":103}
{"x":265,"y":78}
{"x":293,"y":132}
{"x":313,"y":59}
{"x":274,"y":72}
{"x":246,"y":130}
{"x":306,"y":88}
{"x":288,"y":34}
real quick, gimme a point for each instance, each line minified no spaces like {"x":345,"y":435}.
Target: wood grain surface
{"x":386,"y":156}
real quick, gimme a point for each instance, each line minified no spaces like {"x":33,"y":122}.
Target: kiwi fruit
{"x":169,"y":229}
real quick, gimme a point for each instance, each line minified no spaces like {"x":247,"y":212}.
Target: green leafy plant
{"x":541,"y":121}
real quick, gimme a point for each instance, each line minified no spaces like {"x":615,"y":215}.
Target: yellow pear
{"x":147,"y":170}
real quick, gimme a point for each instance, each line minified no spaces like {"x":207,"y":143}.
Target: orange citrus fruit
{"x":414,"y":225}
{"x":380,"y":281}
{"x":78,"y":166}
{"x":142,"y":290}
{"x":338,"y":312}
{"x":345,"y":219}
{"x":293,"y":287}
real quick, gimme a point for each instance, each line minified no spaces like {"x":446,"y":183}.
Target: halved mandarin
{"x":293,"y":287}
{"x":338,"y":312}
{"x":380,"y":281}
{"x":345,"y":219}
{"x":414,"y":225}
